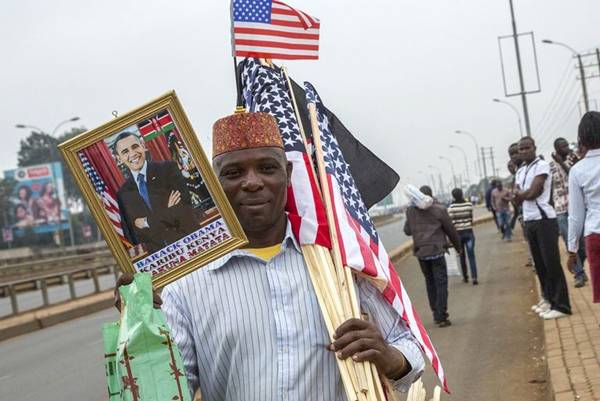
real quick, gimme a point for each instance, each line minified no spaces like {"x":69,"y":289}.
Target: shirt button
{"x":284,"y":350}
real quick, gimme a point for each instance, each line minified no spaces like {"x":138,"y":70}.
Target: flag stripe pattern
{"x":156,"y":125}
{"x":266,"y":90}
{"x":106,"y":196}
{"x":271,"y":29}
{"x":360,"y":244}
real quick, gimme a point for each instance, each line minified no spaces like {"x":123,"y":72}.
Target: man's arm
{"x":536,"y":189}
{"x":450,"y":230}
{"x":407,"y":229}
{"x":384,"y":340}
{"x":576,"y":213}
{"x":178,"y":319}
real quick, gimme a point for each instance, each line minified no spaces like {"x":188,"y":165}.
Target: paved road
{"x":492,"y":351}
{"x":63,"y":362}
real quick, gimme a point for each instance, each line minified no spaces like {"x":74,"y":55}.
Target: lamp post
{"x":581,"y":69}
{"x":451,"y":169}
{"x":466,"y":161}
{"x":461,"y":132}
{"x":514,"y":109}
{"x":54,"y":156}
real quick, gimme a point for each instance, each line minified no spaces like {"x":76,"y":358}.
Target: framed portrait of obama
{"x":153,"y":192}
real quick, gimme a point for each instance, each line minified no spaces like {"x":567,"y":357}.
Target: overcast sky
{"x":402,"y":75}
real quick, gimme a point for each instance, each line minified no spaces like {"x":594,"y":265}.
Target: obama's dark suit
{"x":165,"y":225}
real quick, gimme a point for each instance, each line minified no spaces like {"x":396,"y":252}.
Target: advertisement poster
{"x":38,"y":200}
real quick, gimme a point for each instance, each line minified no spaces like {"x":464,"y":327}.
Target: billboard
{"x":38,"y":200}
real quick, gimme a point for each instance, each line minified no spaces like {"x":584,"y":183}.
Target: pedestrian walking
{"x":501,"y":198}
{"x":429,"y":228}
{"x":584,"y":200}
{"x":488,"y":202}
{"x":563,"y":159}
{"x":461,"y":213}
{"x":534,"y":192}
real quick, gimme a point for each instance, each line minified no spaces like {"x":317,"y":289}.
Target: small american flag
{"x":361,"y":248}
{"x":271,"y":29}
{"x":265,"y":90}
{"x":108,"y":199}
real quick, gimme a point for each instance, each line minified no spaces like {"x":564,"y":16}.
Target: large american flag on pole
{"x":360,"y":245}
{"x":105,"y":194}
{"x":271,"y":29}
{"x":266,"y":90}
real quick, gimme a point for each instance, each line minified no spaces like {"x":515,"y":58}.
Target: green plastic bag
{"x":141,"y":359}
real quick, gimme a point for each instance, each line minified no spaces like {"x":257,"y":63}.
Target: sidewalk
{"x":572,"y":347}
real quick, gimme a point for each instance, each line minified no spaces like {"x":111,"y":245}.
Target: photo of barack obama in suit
{"x":154,"y":201}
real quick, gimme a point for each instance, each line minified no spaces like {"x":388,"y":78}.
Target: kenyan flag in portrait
{"x":157,"y":125}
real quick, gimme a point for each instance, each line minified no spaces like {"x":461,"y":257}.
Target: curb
{"x":405,"y":249}
{"x":36,"y":320}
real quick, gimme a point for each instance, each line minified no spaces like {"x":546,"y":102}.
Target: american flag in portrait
{"x":266,"y":90}
{"x":272,"y":29}
{"x":360,"y":245}
{"x":109,"y":202}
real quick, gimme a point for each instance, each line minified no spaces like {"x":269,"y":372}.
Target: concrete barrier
{"x":39,"y":319}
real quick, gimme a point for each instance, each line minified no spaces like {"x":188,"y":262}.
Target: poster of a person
{"x":153,"y":192}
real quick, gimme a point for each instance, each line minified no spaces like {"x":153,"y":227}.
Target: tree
{"x":40,"y":148}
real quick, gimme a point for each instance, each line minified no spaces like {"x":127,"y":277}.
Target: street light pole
{"x":515,"y":110}
{"x":586,"y":101}
{"x":466,"y":161}
{"x":521,"y":81}
{"x":451,"y":169}
{"x":461,"y":132}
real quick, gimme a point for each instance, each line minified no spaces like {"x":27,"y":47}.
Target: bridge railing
{"x":43,"y":281}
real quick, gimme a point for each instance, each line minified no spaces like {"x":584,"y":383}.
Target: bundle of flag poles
{"x":333,"y":282}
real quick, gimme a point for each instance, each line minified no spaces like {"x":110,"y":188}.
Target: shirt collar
{"x":592,"y":153}
{"x":142,"y":171}
{"x":288,"y":240}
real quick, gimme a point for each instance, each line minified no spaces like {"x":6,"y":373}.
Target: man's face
{"x":562,"y":148}
{"x":513,"y":152}
{"x":131,"y":152}
{"x":255,"y":182}
{"x":499,"y":186}
{"x":527,"y":150}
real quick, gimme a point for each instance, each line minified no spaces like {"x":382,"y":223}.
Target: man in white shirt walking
{"x":533,"y":183}
{"x":584,"y":199}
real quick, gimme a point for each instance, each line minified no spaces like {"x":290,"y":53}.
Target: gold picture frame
{"x":173,"y":217}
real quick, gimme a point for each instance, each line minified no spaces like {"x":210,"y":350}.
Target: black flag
{"x":372,"y":176}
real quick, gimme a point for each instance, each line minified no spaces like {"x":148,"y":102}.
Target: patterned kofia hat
{"x":245,"y":131}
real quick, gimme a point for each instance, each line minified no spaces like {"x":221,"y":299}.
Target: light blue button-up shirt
{"x":252,"y":330}
{"x":584,"y":198}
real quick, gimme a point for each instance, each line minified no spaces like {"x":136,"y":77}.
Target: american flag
{"x":266,"y":90}
{"x":360,"y":245}
{"x":273,"y":30}
{"x":108,"y":199}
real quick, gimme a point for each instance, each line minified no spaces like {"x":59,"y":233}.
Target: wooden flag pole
{"x":367,"y":382}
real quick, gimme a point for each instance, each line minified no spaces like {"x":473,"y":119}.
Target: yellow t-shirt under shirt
{"x":265,"y":253}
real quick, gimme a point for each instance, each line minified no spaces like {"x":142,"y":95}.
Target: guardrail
{"x":34,"y":268}
{"x":42,"y":282}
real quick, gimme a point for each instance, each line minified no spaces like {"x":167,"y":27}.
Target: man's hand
{"x":126,"y":279}
{"x":362,"y":341}
{"x":140,"y":223}
{"x":572,"y":262}
{"x":174,"y":198}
